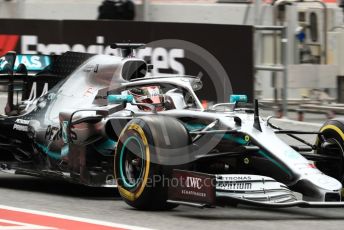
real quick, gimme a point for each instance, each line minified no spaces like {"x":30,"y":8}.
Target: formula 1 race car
{"x":105,"y":123}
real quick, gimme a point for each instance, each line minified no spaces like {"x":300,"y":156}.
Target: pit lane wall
{"x":232,"y":45}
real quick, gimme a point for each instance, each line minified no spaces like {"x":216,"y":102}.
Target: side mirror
{"x":118,"y":99}
{"x":237,"y":98}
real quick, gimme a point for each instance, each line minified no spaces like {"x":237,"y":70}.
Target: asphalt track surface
{"x":105,"y":204}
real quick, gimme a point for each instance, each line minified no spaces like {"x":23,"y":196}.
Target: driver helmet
{"x":148,"y":95}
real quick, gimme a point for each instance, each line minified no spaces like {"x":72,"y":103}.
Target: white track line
{"x":73,"y":218}
{"x":22,"y":226}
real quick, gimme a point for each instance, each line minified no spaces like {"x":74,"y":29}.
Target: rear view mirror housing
{"x":118,"y":99}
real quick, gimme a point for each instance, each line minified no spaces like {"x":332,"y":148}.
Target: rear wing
{"x":20,"y":75}
{"x":31,"y":75}
{"x":25,"y":70}
{"x":33,"y":63}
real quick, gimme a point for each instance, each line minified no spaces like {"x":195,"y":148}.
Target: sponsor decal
{"x":21,"y":125}
{"x":193,"y":193}
{"x":236,"y":178}
{"x":8,"y":42}
{"x":231,"y":185}
{"x":192,"y":187}
{"x":193,"y":182}
{"x":30,"y":45}
{"x":163,"y":59}
{"x":32,"y":62}
{"x":235,"y":182}
{"x":35,"y":89}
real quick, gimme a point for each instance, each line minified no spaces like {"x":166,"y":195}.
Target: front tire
{"x":141,"y":177}
{"x":333,"y":134}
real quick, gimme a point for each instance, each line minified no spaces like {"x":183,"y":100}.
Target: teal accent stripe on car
{"x":264,"y":154}
{"x":235,"y":139}
{"x":261,"y":152}
{"x":194,"y":126}
{"x":52,"y":154}
{"x":241,"y":141}
{"x":106,"y":148}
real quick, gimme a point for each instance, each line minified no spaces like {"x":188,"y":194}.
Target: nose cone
{"x":316,"y":187}
{"x":325,"y":182}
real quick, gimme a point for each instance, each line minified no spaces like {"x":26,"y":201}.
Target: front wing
{"x":208,"y":190}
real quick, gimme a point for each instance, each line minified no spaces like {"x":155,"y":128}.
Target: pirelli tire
{"x":141,"y":176}
{"x":333,"y":133}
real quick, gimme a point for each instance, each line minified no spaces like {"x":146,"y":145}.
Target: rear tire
{"x":140,"y":174}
